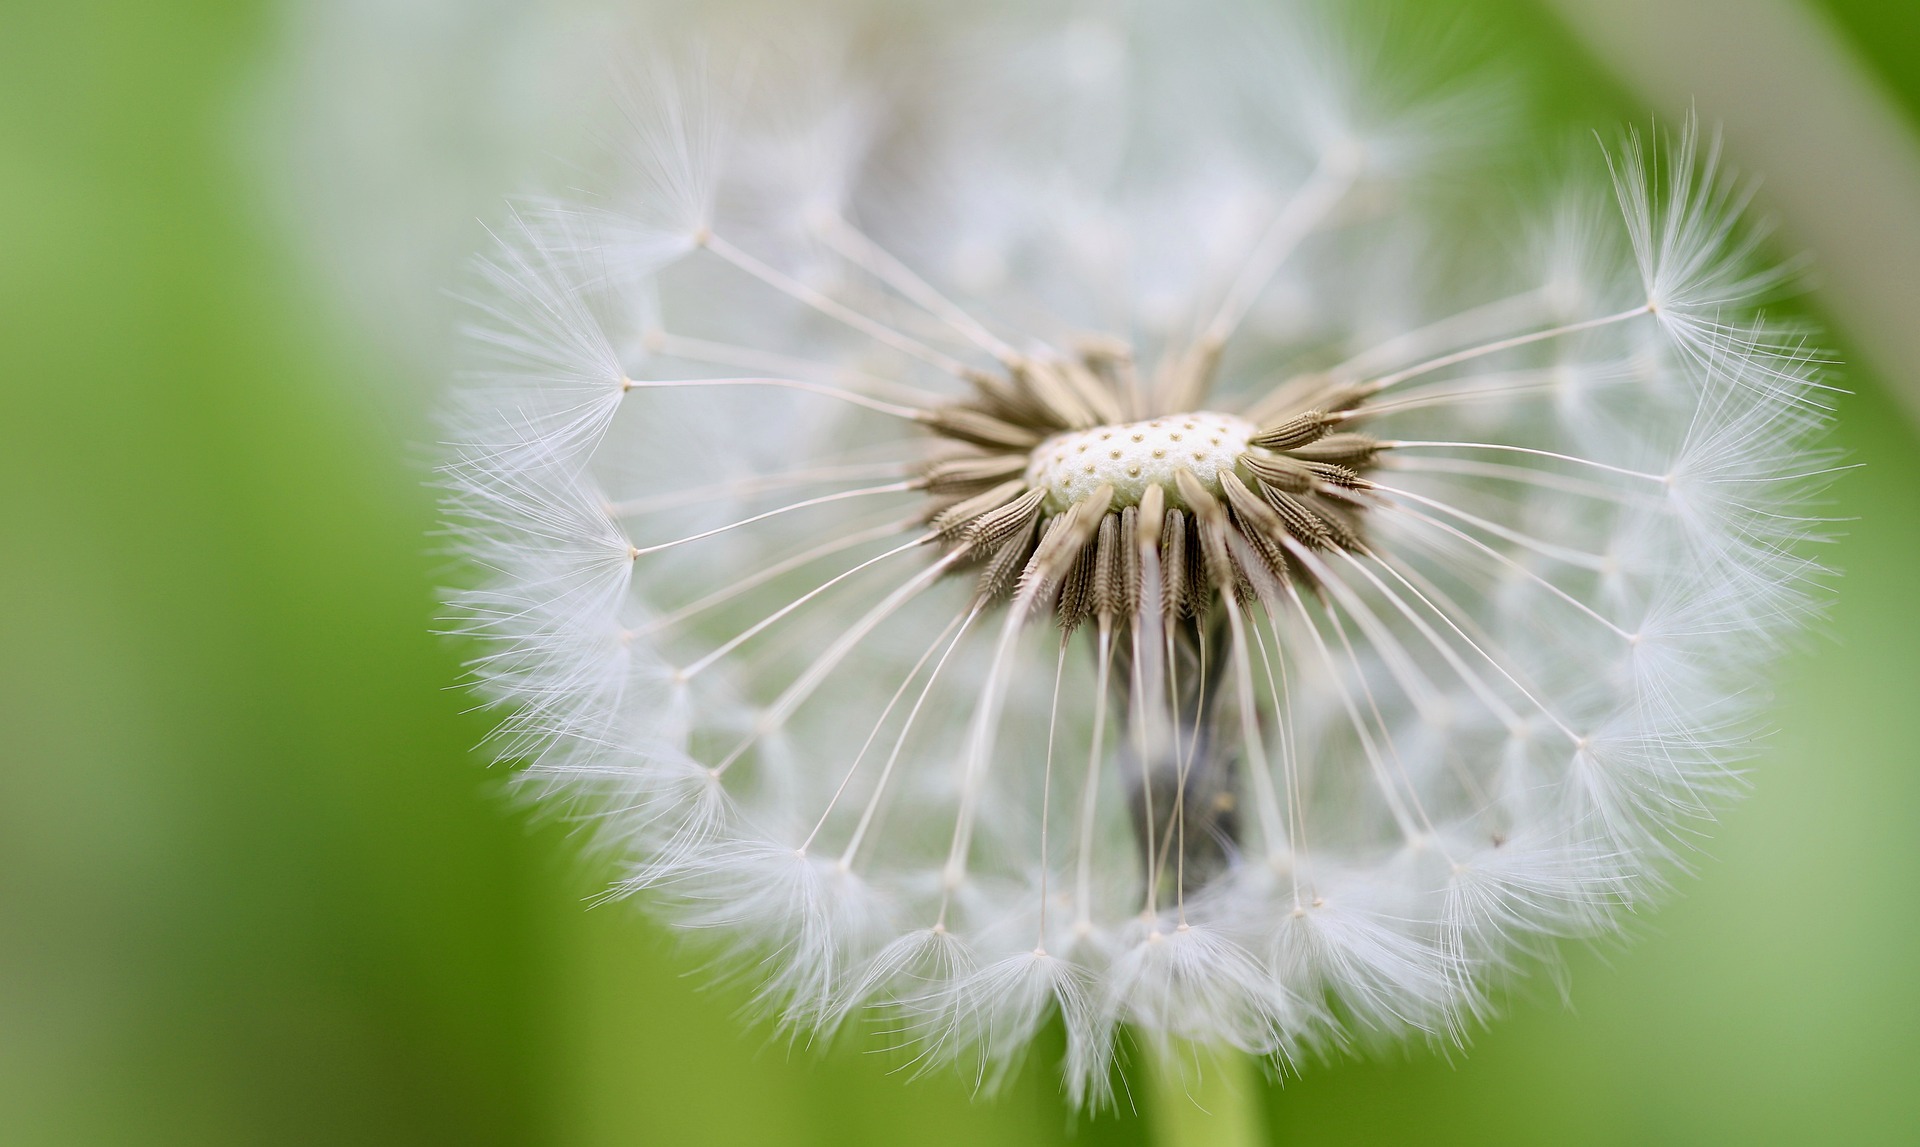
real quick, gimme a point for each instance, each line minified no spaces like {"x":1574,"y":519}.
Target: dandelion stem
{"x":1202,"y":1097}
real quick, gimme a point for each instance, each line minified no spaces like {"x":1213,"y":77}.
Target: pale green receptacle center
{"x":1133,"y":456}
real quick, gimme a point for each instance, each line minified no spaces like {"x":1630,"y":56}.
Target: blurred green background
{"x":255,"y":888}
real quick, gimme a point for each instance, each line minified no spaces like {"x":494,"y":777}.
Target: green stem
{"x":1202,"y":1096}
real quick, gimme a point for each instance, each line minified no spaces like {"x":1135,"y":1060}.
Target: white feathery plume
{"x":1065,"y":523}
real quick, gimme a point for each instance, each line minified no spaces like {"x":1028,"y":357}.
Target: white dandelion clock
{"x":1073,"y":527}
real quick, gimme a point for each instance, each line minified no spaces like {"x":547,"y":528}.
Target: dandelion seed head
{"x":1047,"y":533}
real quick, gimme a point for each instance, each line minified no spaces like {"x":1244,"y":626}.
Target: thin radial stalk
{"x":959,"y":619}
{"x":822,"y":500}
{"x":1522,"y":475}
{"x":760,"y":626}
{"x":766,"y":574}
{"x":1460,"y":617}
{"x":1307,"y":208}
{"x":1468,"y":781}
{"x":1283,"y":718}
{"x":892,"y":409}
{"x":1046,"y":791}
{"x":1200,"y":644}
{"x":1442,"y":614}
{"x":803,"y":686}
{"x":1494,"y":702}
{"x":1477,"y":388}
{"x":758,"y":484}
{"x":1256,"y":761}
{"x":1380,"y":722}
{"x":1153,"y":675}
{"x":1413,"y":681}
{"x":1389,"y":792}
{"x":980,"y":741}
{"x":1090,"y":789}
{"x":752,"y":358}
{"x":1435,"y":337}
{"x":833,"y":308}
{"x":899,"y":742}
{"x":1496,"y":555}
{"x":855,"y":246}
{"x":1495,"y":347}
{"x":1565,"y":554}
{"x":1385,"y":641}
{"x":1176,"y":838}
{"x":1136,"y":710}
{"x":1405,"y":444}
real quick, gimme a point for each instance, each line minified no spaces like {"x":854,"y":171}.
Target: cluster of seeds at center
{"x":1047,"y":487}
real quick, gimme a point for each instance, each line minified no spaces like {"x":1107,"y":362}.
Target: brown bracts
{"x":1223,"y":499}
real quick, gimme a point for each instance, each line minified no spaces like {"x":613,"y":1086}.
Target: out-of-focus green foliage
{"x":1887,"y":34}
{"x":255,"y":889}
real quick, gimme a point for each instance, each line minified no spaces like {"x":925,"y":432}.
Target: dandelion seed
{"x":1126,"y":594}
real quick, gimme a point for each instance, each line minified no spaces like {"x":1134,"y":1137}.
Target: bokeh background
{"x":255,"y":888}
